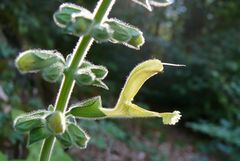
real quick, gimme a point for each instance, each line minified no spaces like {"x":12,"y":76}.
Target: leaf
{"x":37,"y":134}
{"x":79,"y":137}
{"x":88,"y":109}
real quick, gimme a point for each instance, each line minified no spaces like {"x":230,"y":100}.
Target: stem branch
{"x":100,"y":13}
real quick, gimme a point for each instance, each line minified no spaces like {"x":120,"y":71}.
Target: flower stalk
{"x":101,"y":12}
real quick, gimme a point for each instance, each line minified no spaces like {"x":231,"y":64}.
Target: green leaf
{"x":88,"y":109}
{"x":79,"y":137}
{"x":38,"y":134}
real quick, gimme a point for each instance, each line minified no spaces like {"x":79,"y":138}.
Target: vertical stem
{"x":47,"y":148}
{"x":100,"y":13}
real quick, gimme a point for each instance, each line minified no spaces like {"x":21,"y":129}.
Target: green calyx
{"x":101,"y":33}
{"x":116,"y":31}
{"x":90,"y":74}
{"x":49,"y":63}
{"x":29,"y":121}
{"x":125,"y":33}
{"x":38,"y":134}
{"x":56,"y":123}
{"x":63,"y":16}
{"x":74,"y":135}
{"x":75,"y":19}
{"x":78,"y":21}
{"x":42,"y":124}
{"x":80,"y":24}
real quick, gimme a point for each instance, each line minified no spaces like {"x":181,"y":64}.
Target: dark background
{"x":204,"y":35}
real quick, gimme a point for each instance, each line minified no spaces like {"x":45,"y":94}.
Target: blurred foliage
{"x":204,"y":35}
{"x":226,"y":138}
{"x":34,"y":154}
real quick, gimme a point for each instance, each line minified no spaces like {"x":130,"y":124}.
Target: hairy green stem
{"x":101,"y":12}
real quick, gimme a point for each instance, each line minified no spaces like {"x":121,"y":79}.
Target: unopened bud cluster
{"x":49,"y":63}
{"x":90,"y":74}
{"x":42,"y":124}
{"x":79,"y":21}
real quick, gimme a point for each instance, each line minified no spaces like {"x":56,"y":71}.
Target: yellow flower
{"x":92,"y":109}
{"x":126,"y":109}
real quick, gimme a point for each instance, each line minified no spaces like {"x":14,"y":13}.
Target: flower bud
{"x":35,"y":60}
{"x":136,"y":41}
{"x":24,"y":124}
{"x":99,"y":71}
{"x":101,"y":33}
{"x":65,"y":139}
{"x":84,"y":77}
{"x":90,"y":74}
{"x":126,"y":34}
{"x":78,"y":136}
{"x":86,"y":64}
{"x":63,"y":16}
{"x":37,"y":134}
{"x":80,"y":24}
{"x":120,"y":33}
{"x":56,"y":123}
{"x":53,"y":73}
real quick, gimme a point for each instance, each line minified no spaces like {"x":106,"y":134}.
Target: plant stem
{"x":101,"y":12}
